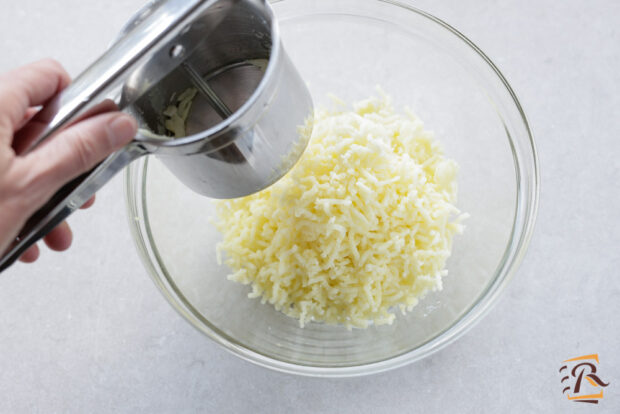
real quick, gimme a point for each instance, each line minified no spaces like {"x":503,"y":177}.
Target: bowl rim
{"x":507,"y":267}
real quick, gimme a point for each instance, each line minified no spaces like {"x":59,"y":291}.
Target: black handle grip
{"x":68,"y":199}
{"x":29,"y":228}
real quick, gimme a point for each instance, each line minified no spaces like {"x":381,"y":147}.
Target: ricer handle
{"x":85,"y":96}
{"x":68,"y":199}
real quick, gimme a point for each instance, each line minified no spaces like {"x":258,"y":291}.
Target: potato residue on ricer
{"x":361,"y":226}
{"x":176,"y":114}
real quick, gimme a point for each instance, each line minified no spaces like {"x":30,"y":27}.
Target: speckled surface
{"x":87,"y":331}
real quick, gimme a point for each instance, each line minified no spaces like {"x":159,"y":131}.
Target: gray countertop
{"x":86,"y":331}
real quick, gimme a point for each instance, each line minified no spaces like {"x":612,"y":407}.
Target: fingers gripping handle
{"x":68,"y":199}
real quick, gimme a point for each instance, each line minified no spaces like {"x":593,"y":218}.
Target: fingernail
{"x":122,"y":129}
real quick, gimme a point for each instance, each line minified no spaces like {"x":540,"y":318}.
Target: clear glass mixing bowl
{"x":347,"y":47}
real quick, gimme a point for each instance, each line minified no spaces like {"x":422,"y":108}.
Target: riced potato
{"x":361,"y":226}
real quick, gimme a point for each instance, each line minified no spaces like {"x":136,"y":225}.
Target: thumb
{"x":79,"y":148}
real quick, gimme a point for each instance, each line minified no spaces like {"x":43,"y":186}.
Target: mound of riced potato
{"x":362,"y":224}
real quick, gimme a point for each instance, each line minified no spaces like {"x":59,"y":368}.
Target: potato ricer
{"x":215,"y":67}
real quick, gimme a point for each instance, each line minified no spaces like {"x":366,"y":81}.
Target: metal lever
{"x":144,"y":40}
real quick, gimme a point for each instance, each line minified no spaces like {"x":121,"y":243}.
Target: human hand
{"x":28,"y":180}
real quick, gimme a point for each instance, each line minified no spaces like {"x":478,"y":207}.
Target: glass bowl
{"x":348,"y":47}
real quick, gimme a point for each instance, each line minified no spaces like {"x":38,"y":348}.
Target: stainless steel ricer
{"x":241,"y":132}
